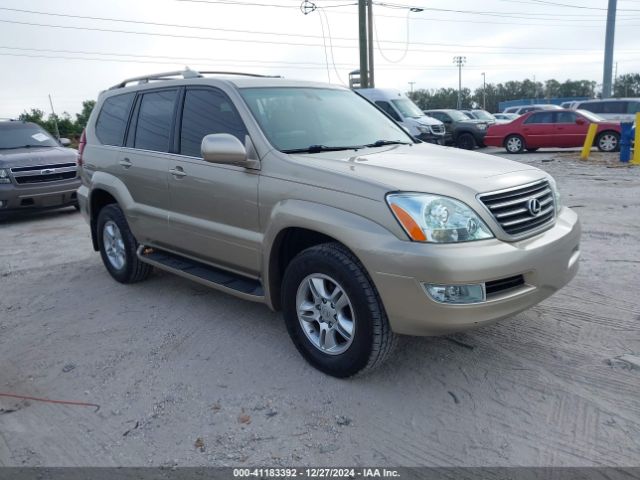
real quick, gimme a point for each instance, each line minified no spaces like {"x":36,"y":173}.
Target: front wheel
{"x":118,"y":247}
{"x":608,"y":141}
{"x":514,"y":144}
{"x":466,"y":141}
{"x":333,"y":312}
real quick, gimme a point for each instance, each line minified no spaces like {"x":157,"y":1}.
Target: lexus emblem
{"x":534,"y":206}
{"x":47,"y":171}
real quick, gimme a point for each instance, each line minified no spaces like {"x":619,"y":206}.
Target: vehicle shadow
{"x":15,"y":218}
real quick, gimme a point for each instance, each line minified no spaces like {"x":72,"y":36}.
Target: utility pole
{"x":615,"y":78}
{"x":55,"y":118}
{"x":362,"y":35}
{"x":411,"y":85}
{"x":459,"y":61}
{"x":608,"y":48}
{"x":484,"y":91}
{"x":372,"y":83}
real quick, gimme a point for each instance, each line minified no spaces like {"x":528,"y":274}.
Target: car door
{"x":538,"y":130}
{"x":143,"y":164}
{"x":570,"y":129}
{"x":214,"y":208}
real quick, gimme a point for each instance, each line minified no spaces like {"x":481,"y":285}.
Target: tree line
{"x":627,"y":85}
{"x":68,"y":127}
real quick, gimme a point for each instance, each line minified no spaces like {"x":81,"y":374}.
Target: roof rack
{"x":186,"y":73}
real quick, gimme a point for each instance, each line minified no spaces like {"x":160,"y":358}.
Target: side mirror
{"x":580,"y":121}
{"x":225,"y":149}
{"x":65,"y":142}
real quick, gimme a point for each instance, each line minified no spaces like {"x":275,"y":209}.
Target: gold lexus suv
{"x":307,"y":198}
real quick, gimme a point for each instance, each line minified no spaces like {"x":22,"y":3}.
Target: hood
{"x":25,"y":157}
{"x":425,"y":168}
{"x":429,"y":121}
{"x":475,"y":121}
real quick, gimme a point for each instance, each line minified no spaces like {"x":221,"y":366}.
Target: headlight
{"x":432,"y":218}
{"x":482,"y":126}
{"x":556,"y":193}
{"x":4,"y":176}
{"x":423,"y":129}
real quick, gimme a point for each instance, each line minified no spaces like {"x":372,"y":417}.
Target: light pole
{"x":459,"y":61}
{"x":484,"y":91}
{"x":411,"y":84}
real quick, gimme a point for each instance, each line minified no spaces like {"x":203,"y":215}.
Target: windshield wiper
{"x":320,"y":148}
{"x":382,"y":143}
{"x":23,"y":146}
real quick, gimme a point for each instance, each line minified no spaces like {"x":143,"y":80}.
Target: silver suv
{"x":36,"y":170}
{"x":307,"y":198}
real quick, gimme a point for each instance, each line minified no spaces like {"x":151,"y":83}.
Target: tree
{"x":627,"y":85}
{"x":83,"y":117}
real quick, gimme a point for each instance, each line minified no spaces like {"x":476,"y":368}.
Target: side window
{"x":566,"y":117}
{"x":614,"y":107}
{"x":595,"y":107}
{"x":155,"y":117}
{"x":386,"y":107}
{"x":207,"y":111}
{"x":633,"y":107}
{"x":540,"y":117}
{"x":113,"y":118}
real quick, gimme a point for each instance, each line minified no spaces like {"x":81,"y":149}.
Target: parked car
{"x":505,"y":117}
{"x":36,"y":170}
{"x":619,"y":109}
{"x":480,"y":114}
{"x":402,"y":109}
{"x":461,"y":131}
{"x":553,"y":129}
{"x":307,"y":198}
{"x":531,"y":108}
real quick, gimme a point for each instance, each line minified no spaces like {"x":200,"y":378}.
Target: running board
{"x":230,"y":282}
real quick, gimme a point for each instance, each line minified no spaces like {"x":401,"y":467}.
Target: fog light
{"x":456,"y":294}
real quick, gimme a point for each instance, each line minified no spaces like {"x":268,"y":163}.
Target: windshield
{"x":23,"y":135}
{"x":483,"y":115}
{"x":592,"y":117}
{"x":407,"y":108}
{"x":457,"y":116}
{"x":297,"y":118}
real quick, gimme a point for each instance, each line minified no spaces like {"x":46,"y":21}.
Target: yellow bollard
{"x":636,"y":147}
{"x":588,"y":142}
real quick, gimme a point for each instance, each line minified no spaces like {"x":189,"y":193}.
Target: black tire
{"x":532,"y":149}
{"x":514,"y":144}
{"x":608,"y":141}
{"x":466,"y":141}
{"x":373,"y":339}
{"x":133,"y":269}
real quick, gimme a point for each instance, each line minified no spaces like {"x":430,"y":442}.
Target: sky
{"x":53,"y":48}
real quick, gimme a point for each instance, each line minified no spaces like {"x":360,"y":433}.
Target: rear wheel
{"x":466,"y":141}
{"x":118,"y":247}
{"x":333,"y":313}
{"x":608,"y":141}
{"x":514,"y":144}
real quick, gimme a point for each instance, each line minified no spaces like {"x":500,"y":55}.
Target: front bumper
{"x":547,"y":261}
{"x":59,"y":194}
{"x":432,"y":138}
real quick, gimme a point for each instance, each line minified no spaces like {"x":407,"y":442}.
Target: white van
{"x":400,"y":107}
{"x":617,"y":109}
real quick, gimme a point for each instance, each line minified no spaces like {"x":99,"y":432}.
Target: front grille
{"x":512,"y":208}
{"x":41,"y":167}
{"x":46,"y":178}
{"x":496,"y":287}
{"x":44,"y":173}
{"x":437,"y":129}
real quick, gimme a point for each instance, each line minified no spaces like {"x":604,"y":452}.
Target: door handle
{"x":126,"y":163}
{"x":177,"y":172}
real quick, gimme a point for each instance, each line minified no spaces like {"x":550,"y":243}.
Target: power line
{"x":271,"y":42}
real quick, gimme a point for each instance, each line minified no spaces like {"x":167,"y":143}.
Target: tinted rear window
{"x":153,"y":128}
{"x":112,"y":120}
{"x":206,"y":112}
{"x":540,"y":117}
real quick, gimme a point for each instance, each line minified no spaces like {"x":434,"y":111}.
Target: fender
{"x":345,"y":227}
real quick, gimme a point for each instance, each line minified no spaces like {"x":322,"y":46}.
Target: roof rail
{"x":186,"y":73}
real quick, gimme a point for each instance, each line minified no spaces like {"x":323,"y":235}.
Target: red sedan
{"x":552,"y":128}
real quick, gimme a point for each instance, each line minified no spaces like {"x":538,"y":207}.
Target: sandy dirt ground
{"x":189,"y":376}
